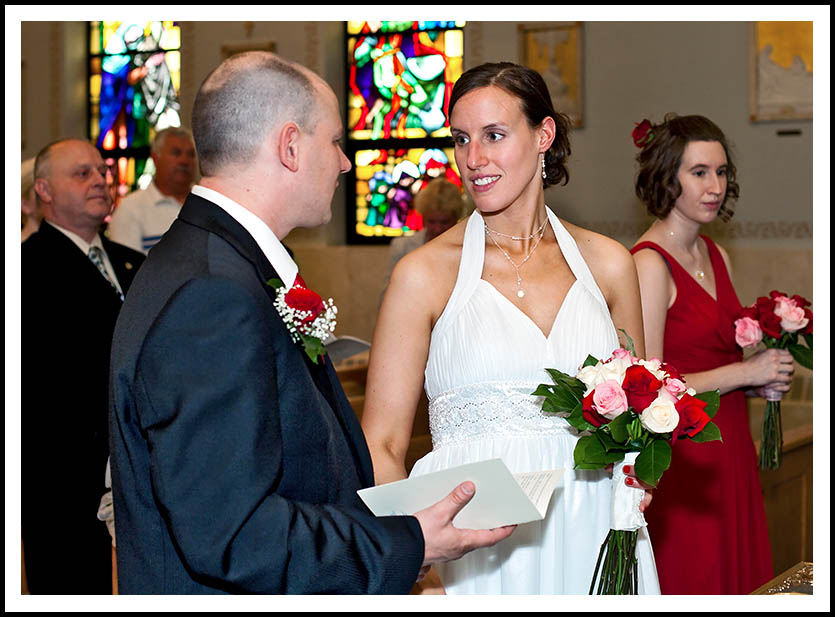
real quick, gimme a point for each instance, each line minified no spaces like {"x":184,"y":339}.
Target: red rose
{"x":692,"y":417}
{"x":770,"y":325}
{"x":304,"y":299}
{"x":641,"y":387}
{"x":751,"y":312}
{"x":671,"y":371}
{"x":801,"y":301}
{"x":765,"y":306}
{"x":590,"y":414}
{"x":808,"y":328}
{"x":642,"y":134}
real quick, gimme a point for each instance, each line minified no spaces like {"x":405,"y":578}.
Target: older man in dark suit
{"x":72,"y":284}
{"x":235,"y":455}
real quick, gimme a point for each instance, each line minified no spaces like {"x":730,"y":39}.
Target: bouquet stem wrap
{"x":771,"y":444}
{"x":619,"y":573}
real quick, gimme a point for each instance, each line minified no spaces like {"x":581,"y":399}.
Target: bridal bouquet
{"x":778,"y":322}
{"x":630,"y":412}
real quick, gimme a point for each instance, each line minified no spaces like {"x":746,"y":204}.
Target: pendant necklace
{"x":520,"y":293}
{"x":700,"y":274}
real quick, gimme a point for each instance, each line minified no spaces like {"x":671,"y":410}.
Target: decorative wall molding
{"x":739,"y":230}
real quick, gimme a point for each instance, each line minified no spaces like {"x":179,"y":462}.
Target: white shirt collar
{"x":264,"y":237}
{"x":78,"y":240}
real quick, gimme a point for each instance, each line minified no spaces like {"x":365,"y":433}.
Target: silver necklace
{"x":700,"y":274}
{"x":530,"y":237}
{"x":519,"y":291}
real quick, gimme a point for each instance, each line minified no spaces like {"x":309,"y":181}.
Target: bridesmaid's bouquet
{"x":777,"y":322}
{"x":630,"y":412}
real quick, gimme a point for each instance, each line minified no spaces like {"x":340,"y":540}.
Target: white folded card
{"x":501,"y":498}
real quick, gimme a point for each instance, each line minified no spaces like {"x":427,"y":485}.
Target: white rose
{"x":592,"y":376}
{"x":654,"y":367}
{"x":615,"y":369}
{"x":661,"y":416}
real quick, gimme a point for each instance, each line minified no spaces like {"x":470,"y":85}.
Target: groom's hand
{"x":442,"y":540}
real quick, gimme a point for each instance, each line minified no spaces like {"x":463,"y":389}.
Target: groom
{"x":235,"y":458}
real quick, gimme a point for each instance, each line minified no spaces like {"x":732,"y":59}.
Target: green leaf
{"x":590,"y":361}
{"x":653,"y":461}
{"x":543,"y":389}
{"x":566,"y":381}
{"x":313,"y":347}
{"x":609,"y":444}
{"x":590,"y":454}
{"x":711,"y":397}
{"x":576,"y":419}
{"x":619,"y":428}
{"x":808,"y":339}
{"x":710,"y":432}
{"x":802,"y":355}
{"x":275,"y":283}
{"x":630,"y":344}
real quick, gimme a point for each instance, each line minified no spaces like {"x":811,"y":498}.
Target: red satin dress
{"x":707,"y":518}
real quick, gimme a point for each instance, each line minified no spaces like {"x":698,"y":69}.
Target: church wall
{"x":631,"y":70}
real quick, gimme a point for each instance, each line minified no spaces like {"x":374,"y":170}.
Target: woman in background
{"x":707,"y":520}
{"x":441,"y":205}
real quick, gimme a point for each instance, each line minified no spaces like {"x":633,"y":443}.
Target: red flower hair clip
{"x":642,"y":133}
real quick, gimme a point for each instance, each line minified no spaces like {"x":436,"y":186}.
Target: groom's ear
{"x":289,"y":138}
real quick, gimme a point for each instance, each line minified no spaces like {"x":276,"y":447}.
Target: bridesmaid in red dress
{"x":707,"y":519}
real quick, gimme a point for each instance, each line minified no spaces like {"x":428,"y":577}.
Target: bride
{"x":479,"y":313}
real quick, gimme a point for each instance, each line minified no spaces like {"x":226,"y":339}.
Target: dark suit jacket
{"x":68,"y":311}
{"x":235,"y":460}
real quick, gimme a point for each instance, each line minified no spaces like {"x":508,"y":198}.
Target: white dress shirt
{"x":264,"y":237}
{"x":82,"y":244}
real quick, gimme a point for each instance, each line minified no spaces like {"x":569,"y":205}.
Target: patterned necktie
{"x":95,"y":255}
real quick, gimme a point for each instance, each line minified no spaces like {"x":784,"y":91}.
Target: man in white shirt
{"x":73,"y":281}
{"x":143,"y":216}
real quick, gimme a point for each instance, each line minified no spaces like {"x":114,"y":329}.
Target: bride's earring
{"x":544,"y":174}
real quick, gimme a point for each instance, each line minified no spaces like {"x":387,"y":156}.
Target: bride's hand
{"x":632,"y":480}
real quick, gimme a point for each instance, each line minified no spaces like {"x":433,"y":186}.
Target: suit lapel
{"x":216,"y":220}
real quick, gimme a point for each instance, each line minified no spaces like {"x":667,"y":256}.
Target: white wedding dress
{"x":485,"y":358}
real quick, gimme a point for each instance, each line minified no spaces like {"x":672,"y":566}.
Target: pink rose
{"x":748,"y":332}
{"x":792,"y":317}
{"x":622,"y":354}
{"x":675,"y":386}
{"x":610,"y":399}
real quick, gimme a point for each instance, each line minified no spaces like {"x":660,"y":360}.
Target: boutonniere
{"x":308,"y":318}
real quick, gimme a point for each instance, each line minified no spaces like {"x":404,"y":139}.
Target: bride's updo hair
{"x":528,"y":86}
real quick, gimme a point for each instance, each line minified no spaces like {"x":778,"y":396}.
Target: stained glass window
{"x":400,"y":75}
{"x":134,"y":84}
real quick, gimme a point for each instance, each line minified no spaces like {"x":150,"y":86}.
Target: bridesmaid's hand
{"x":632,"y":480}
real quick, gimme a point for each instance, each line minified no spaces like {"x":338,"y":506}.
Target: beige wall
{"x":631,"y":70}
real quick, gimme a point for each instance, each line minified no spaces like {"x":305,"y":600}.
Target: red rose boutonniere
{"x":309,"y":318}
{"x":642,"y":133}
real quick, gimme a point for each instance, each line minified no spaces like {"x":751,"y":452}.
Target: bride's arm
{"x":615,"y":273}
{"x":396,"y":366}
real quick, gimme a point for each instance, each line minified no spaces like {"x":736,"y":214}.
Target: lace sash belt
{"x":491,"y":409}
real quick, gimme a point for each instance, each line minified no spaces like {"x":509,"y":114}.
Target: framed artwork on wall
{"x":780,"y":70}
{"x":555,"y":51}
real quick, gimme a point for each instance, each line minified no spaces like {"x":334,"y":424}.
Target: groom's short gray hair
{"x":241,"y":101}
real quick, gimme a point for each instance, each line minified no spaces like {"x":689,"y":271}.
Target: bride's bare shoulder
{"x":602,"y":253}
{"x":429,"y":271}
